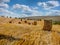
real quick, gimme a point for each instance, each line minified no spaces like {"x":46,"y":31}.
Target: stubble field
{"x":25,"y":33}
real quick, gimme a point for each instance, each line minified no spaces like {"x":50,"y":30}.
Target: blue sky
{"x":23,"y":8}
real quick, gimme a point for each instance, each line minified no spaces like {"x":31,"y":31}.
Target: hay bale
{"x":19,"y":22}
{"x":29,"y":23}
{"x":35,"y":23}
{"x":47,"y":25}
{"x":25,"y":21}
{"x":7,"y":16}
{"x":10,"y":17}
{"x":2,"y":16}
{"x":15,"y":17}
{"x":10,"y":21}
{"x":40,"y":20}
{"x":21,"y":19}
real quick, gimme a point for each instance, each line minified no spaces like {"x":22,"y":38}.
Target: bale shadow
{"x":10,"y":38}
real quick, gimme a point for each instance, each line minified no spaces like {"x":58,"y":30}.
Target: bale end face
{"x":19,"y":22}
{"x":47,"y":25}
{"x":10,"y":21}
{"x":21,"y":19}
{"x":25,"y":21}
{"x":29,"y":23}
{"x":35,"y":23}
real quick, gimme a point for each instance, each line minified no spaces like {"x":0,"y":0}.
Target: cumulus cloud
{"x":23,"y":7}
{"x":2,"y":1}
{"x":2,"y":5}
{"x":49,"y":4}
{"x":36,"y":13}
{"x":26,"y":10}
{"x":53,"y":13}
{"x":35,"y":8}
{"x":6,"y":12}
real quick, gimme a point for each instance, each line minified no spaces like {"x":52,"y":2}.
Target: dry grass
{"x":29,"y":34}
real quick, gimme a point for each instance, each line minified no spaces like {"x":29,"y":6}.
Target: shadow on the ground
{"x":10,"y":38}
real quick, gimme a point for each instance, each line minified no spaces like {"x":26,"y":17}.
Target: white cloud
{"x":6,"y":12}
{"x":54,"y":3}
{"x":2,"y":1}
{"x":28,"y":11}
{"x":34,"y":8}
{"x":23,"y":7}
{"x":36,"y":13}
{"x":42,"y":4}
{"x":3,"y":5}
{"x":49,"y":4}
{"x":53,"y":13}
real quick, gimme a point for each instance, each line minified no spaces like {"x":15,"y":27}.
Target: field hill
{"x":17,"y":31}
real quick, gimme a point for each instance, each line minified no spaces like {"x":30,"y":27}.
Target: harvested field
{"x":25,"y":34}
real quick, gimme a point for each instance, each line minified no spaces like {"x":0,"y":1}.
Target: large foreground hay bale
{"x":47,"y":25}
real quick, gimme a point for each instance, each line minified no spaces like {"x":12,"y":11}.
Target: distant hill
{"x":6,"y":20}
{"x":54,"y":18}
